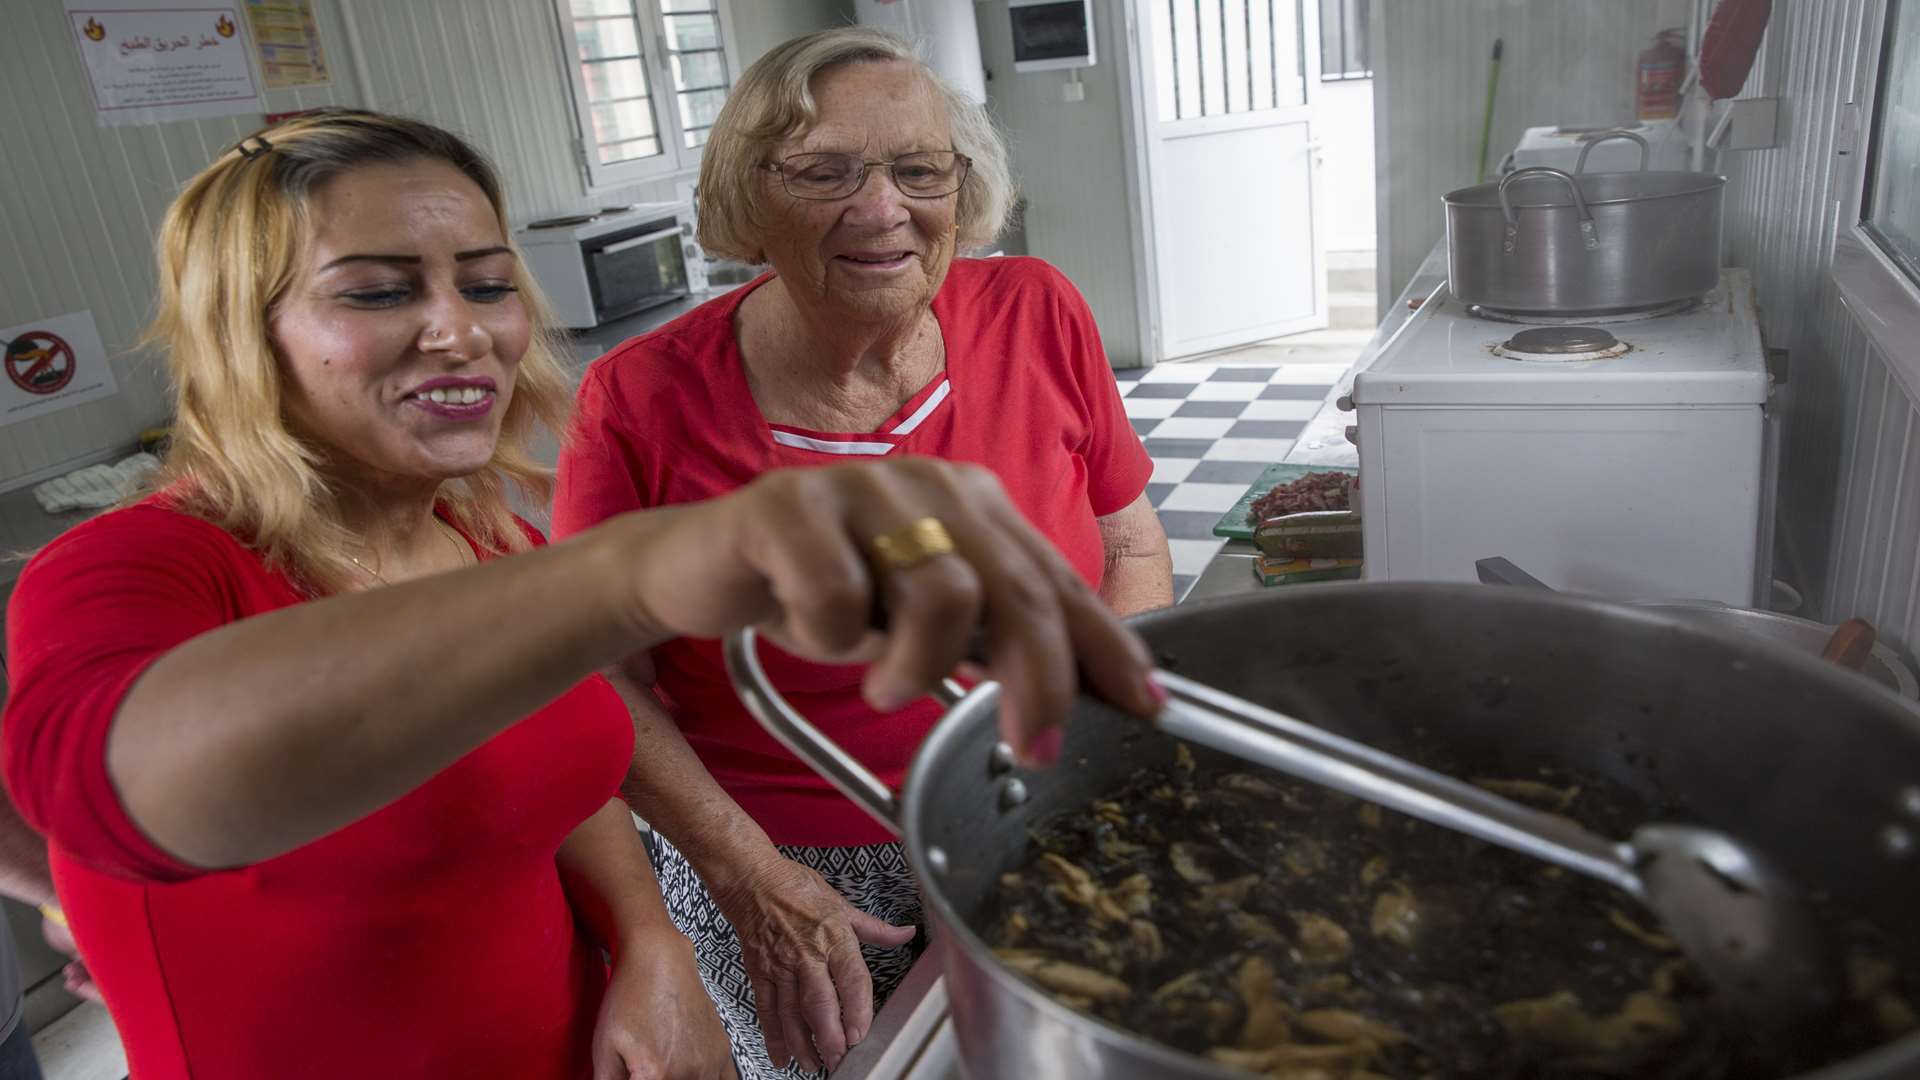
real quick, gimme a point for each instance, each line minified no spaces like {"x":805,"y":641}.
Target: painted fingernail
{"x":891,"y":698}
{"x":1157,"y":692}
{"x":1044,"y":749}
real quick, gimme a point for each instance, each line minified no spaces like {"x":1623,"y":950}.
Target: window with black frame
{"x":1891,"y":208}
{"x":1345,"y":52}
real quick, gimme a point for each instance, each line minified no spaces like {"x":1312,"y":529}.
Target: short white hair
{"x":773,"y":102}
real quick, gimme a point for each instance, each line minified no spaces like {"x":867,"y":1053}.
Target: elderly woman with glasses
{"x":847,"y":165}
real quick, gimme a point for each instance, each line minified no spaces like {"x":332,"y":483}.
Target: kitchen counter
{"x":1229,"y":573}
{"x":25,"y":529}
{"x":590,"y":345}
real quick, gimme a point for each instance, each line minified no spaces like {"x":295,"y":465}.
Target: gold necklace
{"x":371,"y":572}
{"x":462,"y":552}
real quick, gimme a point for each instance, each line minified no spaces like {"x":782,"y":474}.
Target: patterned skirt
{"x":873,"y":878}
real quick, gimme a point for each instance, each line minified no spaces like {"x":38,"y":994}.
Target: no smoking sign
{"x":40,"y":362}
{"x":54,"y":363}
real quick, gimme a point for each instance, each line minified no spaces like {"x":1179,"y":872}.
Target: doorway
{"x":1223,"y":126}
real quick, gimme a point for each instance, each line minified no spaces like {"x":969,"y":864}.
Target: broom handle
{"x":1486,"y":121}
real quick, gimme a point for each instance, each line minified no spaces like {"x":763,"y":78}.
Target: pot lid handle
{"x":1580,"y":163}
{"x":1587,"y":234}
{"x":808,"y":743}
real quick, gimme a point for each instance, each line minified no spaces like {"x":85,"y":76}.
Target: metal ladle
{"x":1736,"y":918}
{"x":1739,"y":920}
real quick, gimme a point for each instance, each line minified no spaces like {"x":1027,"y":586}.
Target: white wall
{"x":1565,"y":62}
{"x":759,"y":25}
{"x":1850,"y":476}
{"x":79,"y":203}
{"x":1071,"y":160}
{"x":1343,"y":115}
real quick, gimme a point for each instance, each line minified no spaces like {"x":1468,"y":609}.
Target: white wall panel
{"x":79,"y":205}
{"x":1850,"y":480}
{"x":1782,"y":212}
{"x":1071,"y":161}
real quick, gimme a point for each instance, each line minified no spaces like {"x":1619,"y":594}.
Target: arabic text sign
{"x":149,"y":63}
{"x":52,"y":364}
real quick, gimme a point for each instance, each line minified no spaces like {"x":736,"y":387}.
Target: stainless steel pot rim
{"x":1884,"y":1061}
{"x":1595,"y":186}
{"x":1903,"y":675}
{"x":1518,"y":315}
{"x":1175,"y":1062}
{"x":1651,"y":615}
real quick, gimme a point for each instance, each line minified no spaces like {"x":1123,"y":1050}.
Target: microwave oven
{"x":596,"y":268}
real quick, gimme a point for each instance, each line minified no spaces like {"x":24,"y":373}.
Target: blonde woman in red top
{"x":315,"y":730}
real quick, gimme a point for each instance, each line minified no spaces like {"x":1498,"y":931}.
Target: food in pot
{"x":1289,"y":932}
{"x":1325,"y":490}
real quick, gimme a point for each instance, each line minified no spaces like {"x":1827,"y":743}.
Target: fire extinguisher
{"x":1662,"y":70}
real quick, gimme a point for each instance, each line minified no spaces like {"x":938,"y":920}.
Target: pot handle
{"x":816,"y":750}
{"x":1587,"y":235}
{"x":1500,"y":570}
{"x":1580,"y":163}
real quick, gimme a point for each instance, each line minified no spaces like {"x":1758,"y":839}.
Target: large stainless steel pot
{"x":1542,"y":241}
{"x":1816,"y":767}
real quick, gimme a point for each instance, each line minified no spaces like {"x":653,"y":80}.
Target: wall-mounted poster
{"x":52,"y":364}
{"x":289,"y":43}
{"x":154,"y":60}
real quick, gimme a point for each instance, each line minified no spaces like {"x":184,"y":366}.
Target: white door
{"x":1223,"y":113}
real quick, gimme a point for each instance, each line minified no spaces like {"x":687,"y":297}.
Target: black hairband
{"x":251,"y":152}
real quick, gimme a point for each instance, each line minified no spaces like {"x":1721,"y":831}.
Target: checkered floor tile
{"x":1212,"y":429}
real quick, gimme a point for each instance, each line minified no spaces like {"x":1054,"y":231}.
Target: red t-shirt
{"x":428,"y":939}
{"x":668,"y":418}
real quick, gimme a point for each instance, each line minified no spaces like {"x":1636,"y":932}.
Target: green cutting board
{"x":1234,"y":526}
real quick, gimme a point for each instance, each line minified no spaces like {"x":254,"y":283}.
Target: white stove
{"x":1560,"y":147}
{"x":1626,"y":456}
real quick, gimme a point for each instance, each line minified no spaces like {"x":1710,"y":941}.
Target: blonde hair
{"x":773,"y":102}
{"x":228,"y":248}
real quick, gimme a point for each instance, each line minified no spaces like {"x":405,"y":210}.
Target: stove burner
{"x":562,"y":222}
{"x":1543,"y":319}
{"x":1562,"y":339}
{"x":1562,"y":343}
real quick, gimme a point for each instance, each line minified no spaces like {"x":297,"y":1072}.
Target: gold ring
{"x":910,"y":545}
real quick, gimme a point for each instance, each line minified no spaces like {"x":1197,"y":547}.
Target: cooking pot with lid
{"x":1810,"y":764}
{"x":1541,"y":241}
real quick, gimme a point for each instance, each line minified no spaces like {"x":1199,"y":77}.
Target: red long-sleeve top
{"x":428,"y":939}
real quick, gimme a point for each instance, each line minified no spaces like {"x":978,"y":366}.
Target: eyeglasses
{"x":928,"y":174}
